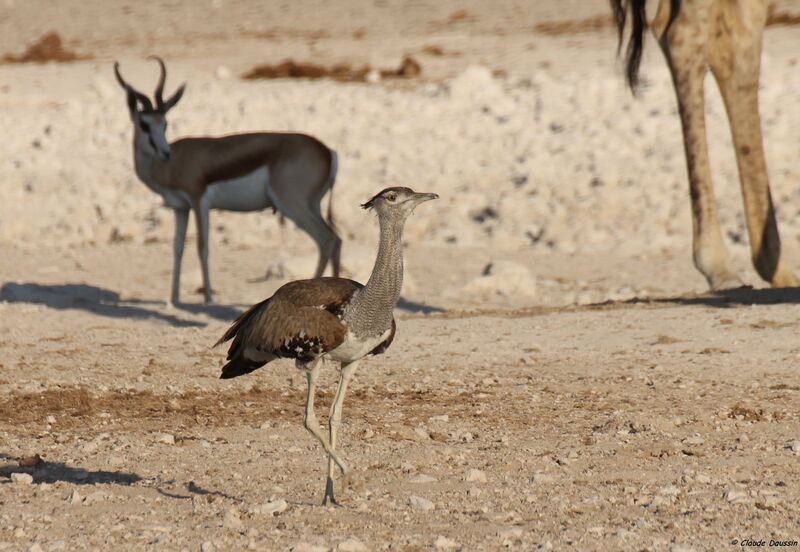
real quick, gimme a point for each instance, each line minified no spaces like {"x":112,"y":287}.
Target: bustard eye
{"x":392,"y":196}
{"x":144,"y":126}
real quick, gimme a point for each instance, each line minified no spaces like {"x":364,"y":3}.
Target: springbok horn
{"x":145,"y":101}
{"x":161,"y":80}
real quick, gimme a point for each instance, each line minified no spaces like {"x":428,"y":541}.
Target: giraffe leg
{"x":310,"y":419}
{"x":684,"y":45}
{"x":334,"y":421}
{"x":735,"y":58}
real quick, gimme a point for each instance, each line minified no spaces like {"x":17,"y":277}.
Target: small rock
{"x":542,"y":478}
{"x":422,"y":478}
{"x":231,"y":520}
{"x":671,"y":490}
{"x":351,"y":545}
{"x":51,"y":419}
{"x":441,"y":418}
{"x":74,"y":497}
{"x":694,"y":440}
{"x":422,"y":433}
{"x":511,"y":533}
{"x":681,"y":548}
{"x":21,"y":478}
{"x":308,"y":547}
{"x":794,"y":446}
{"x":35,"y":547}
{"x":165,"y":438}
{"x":443,"y":543}
{"x":735,"y":496}
{"x":97,"y":496}
{"x":420,"y":503}
{"x":474,"y":492}
{"x":272,"y":507}
{"x":703,"y":478}
{"x":475,"y":476}
{"x":207,"y":546}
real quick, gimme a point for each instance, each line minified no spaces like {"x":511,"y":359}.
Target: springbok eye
{"x":144,"y":126}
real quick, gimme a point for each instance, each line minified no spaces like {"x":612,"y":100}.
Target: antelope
{"x":288,"y":172}
{"x":725,"y":36}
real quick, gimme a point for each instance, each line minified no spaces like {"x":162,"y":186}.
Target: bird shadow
{"x":729,"y":298}
{"x":52,"y":472}
{"x":89,"y":298}
{"x":195,"y":489}
{"x":412,"y":306}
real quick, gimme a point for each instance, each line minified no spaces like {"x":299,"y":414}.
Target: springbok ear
{"x":170,"y":103}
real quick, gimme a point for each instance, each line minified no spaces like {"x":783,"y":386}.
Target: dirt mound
{"x":290,"y":69}
{"x":574,"y":26}
{"x":48,"y":48}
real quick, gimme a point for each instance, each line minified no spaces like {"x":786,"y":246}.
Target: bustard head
{"x":150,"y":123}
{"x":396,"y":202}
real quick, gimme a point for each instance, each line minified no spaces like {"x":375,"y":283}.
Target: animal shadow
{"x":52,"y":472}
{"x":89,"y":298}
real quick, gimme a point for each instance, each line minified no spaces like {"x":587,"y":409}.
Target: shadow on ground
{"x":744,"y":295}
{"x":51,"y":472}
{"x":91,"y":299}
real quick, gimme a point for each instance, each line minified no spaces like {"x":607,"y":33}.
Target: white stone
{"x":51,"y":419}
{"x":541,"y":478}
{"x":422,"y":478}
{"x":207,"y":546}
{"x":475,"y":476}
{"x":231,"y":519}
{"x":272,"y":507}
{"x":165,"y":438}
{"x":735,"y":496}
{"x":22,"y":478}
{"x":35,"y":547}
{"x":97,"y":496}
{"x":351,"y":545}
{"x":420,"y":503}
{"x":74,"y":497}
{"x":443,"y":543}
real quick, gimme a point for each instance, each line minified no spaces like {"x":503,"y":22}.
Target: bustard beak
{"x":419,"y":198}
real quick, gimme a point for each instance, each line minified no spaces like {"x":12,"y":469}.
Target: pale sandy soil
{"x":605,"y":401}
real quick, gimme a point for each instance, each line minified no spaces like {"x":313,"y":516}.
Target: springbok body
{"x":288,"y":172}
{"x":725,"y":36}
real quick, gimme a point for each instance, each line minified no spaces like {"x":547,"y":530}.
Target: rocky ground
{"x":560,"y":379}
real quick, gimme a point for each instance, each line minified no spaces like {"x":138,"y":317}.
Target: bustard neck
{"x":372,"y":309}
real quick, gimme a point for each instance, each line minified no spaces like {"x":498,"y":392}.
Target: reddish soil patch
{"x":291,"y":69}
{"x":574,"y":26}
{"x":48,"y":48}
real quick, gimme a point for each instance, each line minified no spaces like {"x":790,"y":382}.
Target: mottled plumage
{"x":302,"y":320}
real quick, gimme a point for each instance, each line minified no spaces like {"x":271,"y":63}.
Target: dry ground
{"x":616,"y":408}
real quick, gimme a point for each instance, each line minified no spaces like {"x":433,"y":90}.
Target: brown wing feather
{"x":301,"y":320}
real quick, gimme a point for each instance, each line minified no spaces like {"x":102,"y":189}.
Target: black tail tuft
{"x":238,"y":367}
{"x":636,"y":41}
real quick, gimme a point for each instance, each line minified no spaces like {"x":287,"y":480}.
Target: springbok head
{"x":150,"y":123}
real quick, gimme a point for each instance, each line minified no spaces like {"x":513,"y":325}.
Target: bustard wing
{"x":301,"y":320}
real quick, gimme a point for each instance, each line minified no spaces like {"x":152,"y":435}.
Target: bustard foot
{"x":329,"y":498}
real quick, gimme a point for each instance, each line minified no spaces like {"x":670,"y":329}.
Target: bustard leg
{"x":334,"y":421}
{"x":311,"y":423}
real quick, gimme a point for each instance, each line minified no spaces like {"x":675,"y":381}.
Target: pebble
{"x":794,"y":446}
{"x":272,"y":507}
{"x":540,"y":477}
{"x":22,"y":478}
{"x":735,"y":496}
{"x":231,"y":519}
{"x":439,"y":418}
{"x":694,"y":440}
{"x":207,"y":546}
{"x":51,"y":419}
{"x":420,"y":503}
{"x":443,"y":543}
{"x":681,"y":548}
{"x":165,"y":438}
{"x":35,"y":547}
{"x":475,"y":476}
{"x":351,"y":545}
{"x":703,"y":478}
{"x":422,"y":478}
{"x":74,"y":497}
{"x":308,"y":547}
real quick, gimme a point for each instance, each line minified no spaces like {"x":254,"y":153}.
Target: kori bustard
{"x":329,"y":318}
